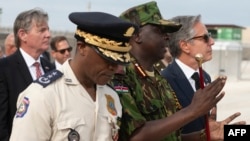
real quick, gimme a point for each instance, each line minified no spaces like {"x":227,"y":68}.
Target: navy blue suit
{"x":14,"y":78}
{"x":184,"y":92}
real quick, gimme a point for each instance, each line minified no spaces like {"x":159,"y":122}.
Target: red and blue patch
{"x":23,"y":107}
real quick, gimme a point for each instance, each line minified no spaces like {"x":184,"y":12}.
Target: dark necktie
{"x":196,"y":78}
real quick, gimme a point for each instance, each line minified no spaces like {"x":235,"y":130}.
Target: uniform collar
{"x":69,"y":76}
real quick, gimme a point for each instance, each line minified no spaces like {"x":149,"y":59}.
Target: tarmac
{"x":236,"y":99}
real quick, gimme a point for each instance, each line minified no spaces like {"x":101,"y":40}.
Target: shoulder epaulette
{"x":49,"y":77}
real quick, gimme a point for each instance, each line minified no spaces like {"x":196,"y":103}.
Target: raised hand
{"x":217,"y":127}
{"x":206,"y":98}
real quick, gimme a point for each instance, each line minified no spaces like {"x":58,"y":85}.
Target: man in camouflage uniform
{"x":151,"y":111}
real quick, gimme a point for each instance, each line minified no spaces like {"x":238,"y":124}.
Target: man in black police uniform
{"x":74,"y":102}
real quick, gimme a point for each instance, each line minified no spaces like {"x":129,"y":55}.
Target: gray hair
{"x":25,"y":19}
{"x":186,"y":32}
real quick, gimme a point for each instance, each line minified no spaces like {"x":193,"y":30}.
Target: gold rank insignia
{"x":129,"y":32}
{"x":111,"y":104}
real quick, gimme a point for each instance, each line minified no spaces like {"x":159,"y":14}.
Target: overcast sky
{"x":235,"y":12}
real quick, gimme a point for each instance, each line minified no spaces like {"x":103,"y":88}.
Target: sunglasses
{"x":205,"y":37}
{"x":62,"y":51}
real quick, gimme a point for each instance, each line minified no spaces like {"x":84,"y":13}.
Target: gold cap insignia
{"x":129,"y":32}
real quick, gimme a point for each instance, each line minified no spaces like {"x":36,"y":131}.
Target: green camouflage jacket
{"x":144,"y":98}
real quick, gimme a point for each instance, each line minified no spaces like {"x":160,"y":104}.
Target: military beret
{"x":149,"y":13}
{"x":108,"y":34}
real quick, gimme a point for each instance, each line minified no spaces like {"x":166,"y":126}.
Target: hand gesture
{"x":217,"y":127}
{"x":205,"y":99}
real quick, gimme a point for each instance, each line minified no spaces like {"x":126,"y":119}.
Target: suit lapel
{"x":22,"y":67}
{"x":47,"y":66}
{"x":24,"y":70}
{"x":181,"y":81}
{"x":207,"y":78}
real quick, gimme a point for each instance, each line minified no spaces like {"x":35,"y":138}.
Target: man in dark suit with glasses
{"x":60,"y":50}
{"x":192,"y":39}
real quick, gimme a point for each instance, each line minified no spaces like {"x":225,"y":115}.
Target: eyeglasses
{"x":205,"y":37}
{"x":62,"y":51}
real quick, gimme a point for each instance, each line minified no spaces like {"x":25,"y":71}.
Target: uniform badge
{"x":115,"y":126}
{"x":23,"y":107}
{"x":111,"y":104}
{"x":115,"y":134}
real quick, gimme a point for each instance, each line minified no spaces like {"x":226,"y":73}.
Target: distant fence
{"x":4,"y":31}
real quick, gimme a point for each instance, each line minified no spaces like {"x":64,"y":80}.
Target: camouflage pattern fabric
{"x":149,"y":13}
{"x":143,"y":99}
{"x":159,"y":66}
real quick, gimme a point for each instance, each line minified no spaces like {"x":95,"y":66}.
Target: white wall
{"x":226,"y":60}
